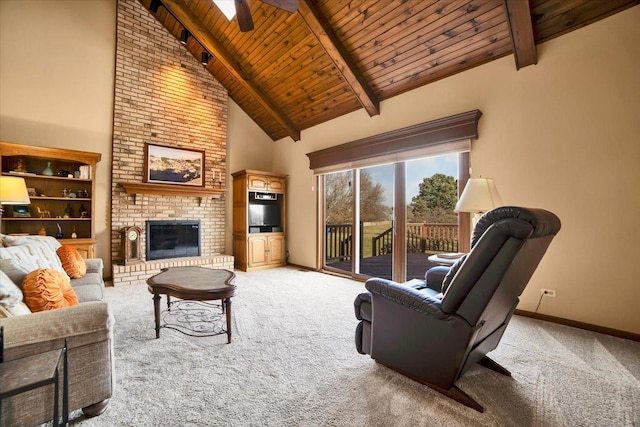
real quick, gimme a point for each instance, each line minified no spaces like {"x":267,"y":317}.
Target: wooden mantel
{"x":136,"y":188}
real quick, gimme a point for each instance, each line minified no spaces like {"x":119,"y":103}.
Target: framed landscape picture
{"x":169,"y":165}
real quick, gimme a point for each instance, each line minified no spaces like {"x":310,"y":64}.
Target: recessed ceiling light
{"x":227,"y":7}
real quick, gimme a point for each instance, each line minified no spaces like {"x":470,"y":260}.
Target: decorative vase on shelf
{"x":47,"y":170}
{"x":59,"y":234}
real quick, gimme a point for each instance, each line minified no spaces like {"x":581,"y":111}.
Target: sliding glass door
{"x":376,"y":209}
{"x":385,"y":221}
{"x":338,"y":219}
{"x":431,"y":224}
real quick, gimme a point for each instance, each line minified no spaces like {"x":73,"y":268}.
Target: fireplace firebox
{"x":173,"y":239}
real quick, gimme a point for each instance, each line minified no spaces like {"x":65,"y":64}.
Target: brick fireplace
{"x":164,"y":96}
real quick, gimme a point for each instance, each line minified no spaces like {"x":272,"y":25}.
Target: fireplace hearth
{"x":173,"y":239}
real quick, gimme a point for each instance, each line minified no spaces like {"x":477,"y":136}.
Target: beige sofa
{"x":87,"y":327}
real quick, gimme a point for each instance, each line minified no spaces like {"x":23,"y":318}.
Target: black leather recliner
{"x":434,"y":330}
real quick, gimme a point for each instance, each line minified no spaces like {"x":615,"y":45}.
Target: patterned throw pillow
{"x":19,"y":309}
{"x":14,"y":270}
{"x":26,"y":240}
{"x":34,"y":252}
{"x":11,"y":298}
{"x":10,"y":294}
{"x":46,"y":289}
{"x":72,"y":261}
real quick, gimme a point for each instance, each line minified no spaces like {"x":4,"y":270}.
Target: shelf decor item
{"x":168,"y":165}
{"x":59,"y":234}
{"x":21,"y":211}
{"x":48,"y":171}
{"x":18,"y":165}
{"x":130,"y":244}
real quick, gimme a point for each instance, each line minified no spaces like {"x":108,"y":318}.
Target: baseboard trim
{"x":581,"y":325}
{"x":301,"y":267}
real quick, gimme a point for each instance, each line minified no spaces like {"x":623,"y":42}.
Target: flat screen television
{"x":264,"y":215}
{"x":265,"y":212}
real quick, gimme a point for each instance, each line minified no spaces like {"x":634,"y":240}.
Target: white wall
{"x":56,"y":84}
{"x":562,"y":135}
{"x":248,"y":147}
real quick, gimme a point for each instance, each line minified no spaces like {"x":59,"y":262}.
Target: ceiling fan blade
{"x":288,"y":5}
{"x":245,"y":22}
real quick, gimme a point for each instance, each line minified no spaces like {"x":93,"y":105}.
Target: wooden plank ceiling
{"x":332,"y":57}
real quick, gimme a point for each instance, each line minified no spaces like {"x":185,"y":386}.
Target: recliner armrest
{"x":435,"y":276}
{"x":406,"y":296}
{"x":363,"y":298}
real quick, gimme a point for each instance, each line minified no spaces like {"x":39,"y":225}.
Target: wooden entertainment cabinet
{"x":59,"y":200}
{"x":258,"y":245}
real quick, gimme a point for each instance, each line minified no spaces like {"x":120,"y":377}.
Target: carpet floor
{"x":293,"y":362}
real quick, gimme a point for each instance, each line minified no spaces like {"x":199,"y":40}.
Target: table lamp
{"x":13,"y":191}
{"x":479,"y":196}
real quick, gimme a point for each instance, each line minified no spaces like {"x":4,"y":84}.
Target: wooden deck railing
{"x":421,"y":237}
{"x":339,"y":242}
{"x":382,"y":243}
{"x":432,"y":237}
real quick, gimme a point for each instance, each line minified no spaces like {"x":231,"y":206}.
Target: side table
{"x":446,"y":259}
{"x":29,"y":373}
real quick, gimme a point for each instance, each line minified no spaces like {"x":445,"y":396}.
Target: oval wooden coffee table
{"x":193,"y":284}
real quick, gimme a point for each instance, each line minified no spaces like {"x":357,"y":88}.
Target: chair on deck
{"x":433,"y":332}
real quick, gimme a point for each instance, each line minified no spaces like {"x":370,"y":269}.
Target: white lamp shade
{"x":13,"y":191}
{"x":479,"y":195}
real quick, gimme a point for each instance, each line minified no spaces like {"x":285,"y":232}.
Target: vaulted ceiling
{"x":331,"y":57}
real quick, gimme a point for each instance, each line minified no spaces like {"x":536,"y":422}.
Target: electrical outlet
{"x":548,"y":292}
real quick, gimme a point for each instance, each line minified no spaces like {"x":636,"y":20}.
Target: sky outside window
{"x":417,"y":171}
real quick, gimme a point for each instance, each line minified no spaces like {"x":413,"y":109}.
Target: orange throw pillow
{"x":46,"y":289}
{"x":72,"y":261}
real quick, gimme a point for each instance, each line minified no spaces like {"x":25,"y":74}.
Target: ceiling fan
{"x":244,"y":14}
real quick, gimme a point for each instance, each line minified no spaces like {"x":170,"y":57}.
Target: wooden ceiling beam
{"x":192,"y":24}
{"x":320,"y":27}
{"x":521,"y":30}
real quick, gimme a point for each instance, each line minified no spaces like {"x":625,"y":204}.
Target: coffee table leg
{"x":156,"y":309}
{"x":227,"y":303}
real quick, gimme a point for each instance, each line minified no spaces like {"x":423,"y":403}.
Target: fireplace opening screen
{"x":172,"y":239}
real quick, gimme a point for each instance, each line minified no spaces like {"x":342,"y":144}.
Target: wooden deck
{"x":380,"y":266}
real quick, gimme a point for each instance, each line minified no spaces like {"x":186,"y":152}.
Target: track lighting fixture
{"x":204,"y":58}
{"x":184,"y":36}
{"x":155,"y":4}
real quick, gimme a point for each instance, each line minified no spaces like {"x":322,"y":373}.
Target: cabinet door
{"x":85,"y":250}
{"x":257,"y":182}
{"x":277,"y":252}
{"x":257,"y":251}
{"x":276,"y":184}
